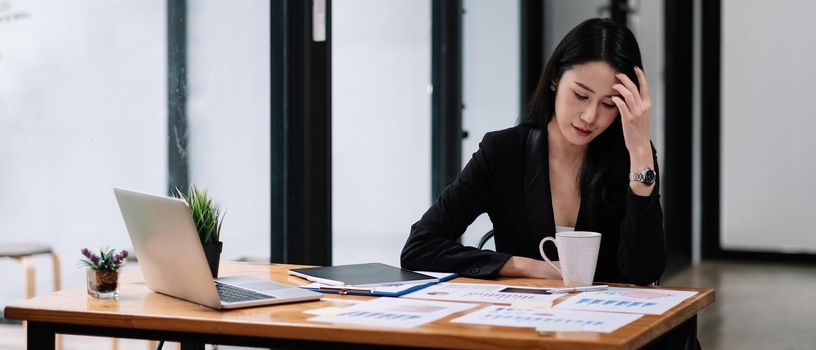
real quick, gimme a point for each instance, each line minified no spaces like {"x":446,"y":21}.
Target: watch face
{"x":649,"y":176}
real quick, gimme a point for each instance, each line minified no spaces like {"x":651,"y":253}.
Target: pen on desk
{"x":578,"y":289}
{"x":345,"y":289}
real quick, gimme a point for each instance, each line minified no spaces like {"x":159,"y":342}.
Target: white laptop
{"x":172,"y":259}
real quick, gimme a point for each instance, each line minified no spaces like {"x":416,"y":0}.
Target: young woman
{"x":580,"y":160}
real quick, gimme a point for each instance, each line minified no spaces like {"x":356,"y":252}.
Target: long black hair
{"x":606,"y":163}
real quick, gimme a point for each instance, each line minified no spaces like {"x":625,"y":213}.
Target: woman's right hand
{"x":519,"y":266}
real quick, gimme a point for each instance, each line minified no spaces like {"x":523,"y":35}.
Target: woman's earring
{"x":552,"y":87}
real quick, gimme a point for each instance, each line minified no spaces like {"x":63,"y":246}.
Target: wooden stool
{"x":23,"y":252}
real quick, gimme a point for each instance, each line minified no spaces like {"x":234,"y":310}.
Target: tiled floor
{"x":759,"y":306}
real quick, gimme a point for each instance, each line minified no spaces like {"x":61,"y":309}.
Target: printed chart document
{"x":395,"y":312}
{"x":548,"y":320}
{"x":484,"y":293}
{"x":630,"y":300}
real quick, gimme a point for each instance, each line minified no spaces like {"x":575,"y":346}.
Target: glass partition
{"x":83,"y":102}
{"x":381,"y":126}
{"x":228,"y":117}
{"x":490,"y":80}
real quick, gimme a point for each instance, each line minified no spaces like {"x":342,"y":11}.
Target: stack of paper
{"x":598,"y":311}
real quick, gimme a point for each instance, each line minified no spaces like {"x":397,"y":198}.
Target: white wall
{"x":381,"y":126}
{"x":490,"y":80}
{"x":83,"y":108}
{"x":767,"y":125}
{"x":228,"y":116}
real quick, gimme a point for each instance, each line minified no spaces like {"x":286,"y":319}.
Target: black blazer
{"x":508,"y":178}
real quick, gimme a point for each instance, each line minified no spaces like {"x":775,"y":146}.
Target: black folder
{"x":368,"y":274}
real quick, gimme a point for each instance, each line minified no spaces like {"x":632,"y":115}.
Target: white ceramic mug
{"x":578,"y":254}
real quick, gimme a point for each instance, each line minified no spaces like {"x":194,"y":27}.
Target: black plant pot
{"x":213,"y":253}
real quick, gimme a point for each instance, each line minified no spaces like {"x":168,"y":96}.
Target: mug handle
{"x":541,"y":250}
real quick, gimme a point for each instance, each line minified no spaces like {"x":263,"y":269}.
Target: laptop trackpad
{"x":253,"y":283}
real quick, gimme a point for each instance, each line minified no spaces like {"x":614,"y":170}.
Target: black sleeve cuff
{"x":489,"y":268}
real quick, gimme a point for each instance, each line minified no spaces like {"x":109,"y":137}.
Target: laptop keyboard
{"x":232,"y":294}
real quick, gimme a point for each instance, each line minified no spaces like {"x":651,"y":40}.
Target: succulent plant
{"x":105,"y":261}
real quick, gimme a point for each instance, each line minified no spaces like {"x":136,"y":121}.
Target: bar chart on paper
{"x":630,"y":300}
{"x":394,"y":312}
{"x":548,"y":320}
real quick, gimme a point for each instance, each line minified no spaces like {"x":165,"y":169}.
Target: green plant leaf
{"x":206,"y":214}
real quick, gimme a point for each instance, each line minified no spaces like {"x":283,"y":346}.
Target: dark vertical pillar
{"x":277,"y":152}
{"x":710,"y":128}
{"x":533,"y":44}
{"x":619,"y":12}
{"x":177,"y":167}
{"x":446,"y":99}
{"x":677,"y":172}
{"x":306,"y":141}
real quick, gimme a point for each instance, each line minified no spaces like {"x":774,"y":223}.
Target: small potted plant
{"x":103,"y":272}
{"x":207,"y":217}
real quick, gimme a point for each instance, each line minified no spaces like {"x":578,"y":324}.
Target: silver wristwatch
{"x":646,"y":176}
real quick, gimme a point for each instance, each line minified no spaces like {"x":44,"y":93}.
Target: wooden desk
{"x":143,"y":314}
